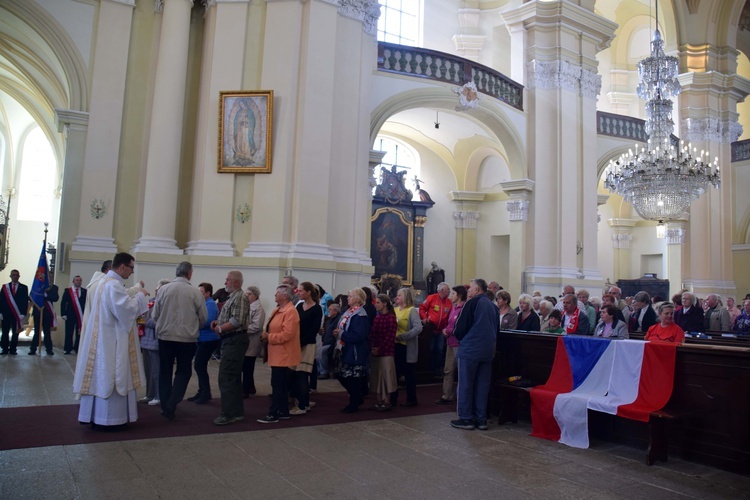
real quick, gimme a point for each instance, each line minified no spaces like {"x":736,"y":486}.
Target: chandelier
{"x":662,"y":180}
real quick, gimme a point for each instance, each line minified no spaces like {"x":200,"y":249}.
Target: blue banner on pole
{"x":41,"y":280}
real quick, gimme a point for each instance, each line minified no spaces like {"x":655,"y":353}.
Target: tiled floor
{"x":411,"y":458}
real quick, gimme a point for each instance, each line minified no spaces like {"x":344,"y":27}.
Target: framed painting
{"x":391,"y":244}
{"x":245,"y":124}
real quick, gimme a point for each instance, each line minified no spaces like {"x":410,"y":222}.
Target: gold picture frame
{"x":245,"y":125}
{"x":391,"y":246}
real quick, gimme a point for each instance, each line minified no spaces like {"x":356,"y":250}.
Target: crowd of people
{"x":126,"y":340}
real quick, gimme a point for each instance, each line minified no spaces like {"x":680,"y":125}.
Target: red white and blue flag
{"x":628,"y":378}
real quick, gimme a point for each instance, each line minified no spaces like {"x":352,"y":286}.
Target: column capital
{"x":68,"y":117}
{"x":518,"y":210}
{"x":518,"y":188}
{"x":366,"y":11}
{"x":470,"y":196}
{"x":676,"y":233}
{"x":466,"y":219}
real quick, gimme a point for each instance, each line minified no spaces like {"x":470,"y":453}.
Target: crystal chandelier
{"x":662,"y":180}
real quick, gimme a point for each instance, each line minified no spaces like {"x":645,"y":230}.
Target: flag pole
{"x":41,"y":310}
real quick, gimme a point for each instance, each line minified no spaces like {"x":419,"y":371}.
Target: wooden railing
{"x":741,"y":150}
{"x":434,"y":65}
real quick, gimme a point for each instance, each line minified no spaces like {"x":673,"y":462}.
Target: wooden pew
{"x":707,"y":418}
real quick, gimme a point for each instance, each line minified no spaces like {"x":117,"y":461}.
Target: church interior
{"x":277,"y":137}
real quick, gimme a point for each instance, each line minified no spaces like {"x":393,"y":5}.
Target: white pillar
{"x":225,"y":24}
{"x":102,"y":150}
{"x":165,"y":137}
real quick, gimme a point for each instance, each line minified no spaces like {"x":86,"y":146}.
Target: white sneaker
{"x":297,"y":411}
{"x":154,"y":402}
{"x":312,"y":403}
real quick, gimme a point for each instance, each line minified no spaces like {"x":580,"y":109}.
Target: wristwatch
{"x":219,"y":330}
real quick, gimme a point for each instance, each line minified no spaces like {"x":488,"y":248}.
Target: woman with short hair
{"x":382,"y":345}
{"x":354,"y":349}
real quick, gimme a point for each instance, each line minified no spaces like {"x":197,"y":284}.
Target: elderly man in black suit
{"x":690,"y":317}
{"x":71,"y":310}
{"x":14,"y":302}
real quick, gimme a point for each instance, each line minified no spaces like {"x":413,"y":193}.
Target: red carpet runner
{"x":34,"y":426}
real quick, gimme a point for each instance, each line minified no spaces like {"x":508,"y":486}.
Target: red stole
{"x":77,"y":306}
{"x":572,"y":324}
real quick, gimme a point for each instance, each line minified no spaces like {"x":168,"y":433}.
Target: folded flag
{"x":628,"y":378}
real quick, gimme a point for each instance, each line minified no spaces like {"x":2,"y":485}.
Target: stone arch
{"x":488,"y":114}
{"x":75,"y":84}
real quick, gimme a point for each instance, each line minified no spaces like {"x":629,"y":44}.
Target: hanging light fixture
{"x":662,"y":180}
{"x":661,"y":230}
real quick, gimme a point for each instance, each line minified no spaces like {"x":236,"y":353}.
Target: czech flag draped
{"x":41,"y":280}
{"x":628,"y":378}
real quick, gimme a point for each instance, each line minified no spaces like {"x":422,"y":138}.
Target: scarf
{"x":572,"y":324}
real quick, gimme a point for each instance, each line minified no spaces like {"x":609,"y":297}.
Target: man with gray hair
{"x":434,"y":312}
{"x":179,"y":312}
{"x":716,"y":318}
{"x":690,"y":317}
{"x":232,"y":328}
{"x":293,"y":282}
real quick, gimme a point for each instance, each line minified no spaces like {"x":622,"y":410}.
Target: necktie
{"x":78,"y":293}
{"x":14,"y":288}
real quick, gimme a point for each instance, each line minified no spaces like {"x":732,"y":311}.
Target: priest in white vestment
{"x":109,"y":367}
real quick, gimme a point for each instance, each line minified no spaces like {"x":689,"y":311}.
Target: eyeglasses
{"x":132,"y":268}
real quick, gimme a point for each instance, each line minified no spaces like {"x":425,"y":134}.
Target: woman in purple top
{"x":458,"y":297}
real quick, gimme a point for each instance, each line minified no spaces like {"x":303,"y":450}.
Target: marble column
{"x":558,"y":42}
{"x":518,"y":213}
{"x":74,"y":125}
{"x":165,"y":136}
{"x":708,"y":119}
{"x":466,"y":216}
{"x":213,"y":209}
{"x":102,"y":150}
{"x":621,"y":238}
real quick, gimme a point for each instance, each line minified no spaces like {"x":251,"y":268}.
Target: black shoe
{"x":202,"y":400}
{"x":66,"y":352}
{"x":50,"y":353}
{"x":443,"y":401}
{"x":13,"y":353}
{"x":3,"y":353}
{"x":482,"y":425}
{"x":350,"y":409}
{"x":31,"y":353}
{"x":324,"y":377}
{"x":463,"y":423}
{"x":193,"y":398}
{"x":409,"y":403}
{"x":252,"y":391}
{"x":169,"y":415}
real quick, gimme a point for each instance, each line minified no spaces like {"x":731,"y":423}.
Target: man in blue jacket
{"x":476,"y":331}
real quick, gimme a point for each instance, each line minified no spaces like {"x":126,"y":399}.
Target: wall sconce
{"x":242,"y":214}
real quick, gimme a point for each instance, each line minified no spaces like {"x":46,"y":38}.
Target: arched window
{"x":400,"y":155}
{"x":399,"y":22}
{"x":38,"y":167}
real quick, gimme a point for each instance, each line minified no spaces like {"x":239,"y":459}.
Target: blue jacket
{"x":476,"y":329}
{"x":205,"y":334}
{"x":356,"y":348}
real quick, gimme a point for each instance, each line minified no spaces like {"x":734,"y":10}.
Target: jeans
{"x":473,"y":388}
{"x":437,"y":352}
{"x":230,"y":375}
{"x":171,"y":392}
{"x":151,"y":367}
{"x":202,"y":357}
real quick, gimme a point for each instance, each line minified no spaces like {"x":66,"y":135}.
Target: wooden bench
{"x":658,"y":423}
